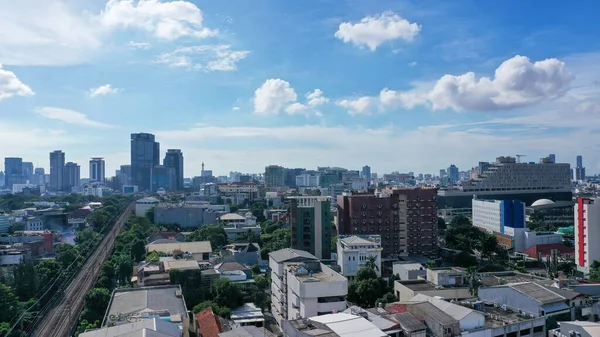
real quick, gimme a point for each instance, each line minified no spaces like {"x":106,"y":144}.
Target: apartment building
{"x":310,"y":222}
{"x":239,"y":192}
{"x":301,"y":286}
{"x":504,"y":218}
{"x":404,"y":218}
{"x":587,"y":232}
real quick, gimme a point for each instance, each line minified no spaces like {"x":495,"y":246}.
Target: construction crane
{"x":519,"y":157}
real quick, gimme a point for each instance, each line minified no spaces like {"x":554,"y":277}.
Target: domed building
{"x":542,"y":202}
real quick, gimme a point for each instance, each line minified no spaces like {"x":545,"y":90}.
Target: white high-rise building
{"x":97,"y":170}
{"x":301,"y":286}
{"x":587,"y":232}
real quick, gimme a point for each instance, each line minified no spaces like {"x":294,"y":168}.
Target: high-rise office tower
{"x":2,"y":178}
{"x":39,"y":176}
{"x":274,"y":175}
{"x":453,"y":173}
{"x":162,"y":177}
{"x":13,"y":172}
{"x":365,"y":173}
{"x":57,"y":170}
{"x":174,"y":159}
{"x":97,"y":170}
{"x":72,"y":176}
{"x":579,"y":169}
{"x":552,"y":157}
{"x":27,"y":171}
{"x":145,"y":154}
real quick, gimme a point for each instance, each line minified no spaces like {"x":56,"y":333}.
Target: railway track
{"x":60,"y":319}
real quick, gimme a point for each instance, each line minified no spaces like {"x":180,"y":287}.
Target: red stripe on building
{"x":580,"y":223}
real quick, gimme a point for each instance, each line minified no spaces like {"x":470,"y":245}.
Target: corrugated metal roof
{"x":287,"y":254}
{"x":159,"y":327}
{"x":436,"y":314}
{"x":537,"y":292}
{"x":346,"y":325}
{"x":408,"y":322}
{"x":457,"y":312}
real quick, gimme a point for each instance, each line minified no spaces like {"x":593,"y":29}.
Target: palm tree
{"x":370,"y":263}
{"x":474,"y":281}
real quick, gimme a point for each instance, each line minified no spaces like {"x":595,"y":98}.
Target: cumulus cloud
{"x":296,"y":109}
{"x":165,"y":20}
{"x":139,"y":45}
{"x":103,"y":90}
{"x":517,"y":82}
{"x":11,"y":86}
{"x":273,"y":96}
{"x":53,"y":32}
{"x":69,"y":117}
{"x":316,"y":98}
{"x":372,"y":31}
{"x":206,"y":58}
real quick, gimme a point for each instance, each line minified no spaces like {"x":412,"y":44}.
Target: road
{"x":59,"y":320}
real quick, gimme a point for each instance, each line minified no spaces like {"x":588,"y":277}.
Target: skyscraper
{"x":57,"y":170}
{"x":453,"y":174}
{"x":39,"y":176}
{"x":72,"y":173}
{"x":274,"y":175}
{"x":97,"y":172}
{"x":366,"y":172}
{"x":174,"y":159}
{"x":552,"y":157}
{"x":162,"y":177}
{"x":27,"y":171}
{"x":144,"y":156}
{"x":13,"y":172}
{"x":579,"y":169}
{"x":310,"y":222}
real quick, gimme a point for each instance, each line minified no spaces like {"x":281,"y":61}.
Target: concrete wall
{"x":512,"y":298}
{"x":406,"y":274}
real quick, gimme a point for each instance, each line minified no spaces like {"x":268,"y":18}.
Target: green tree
{"x":123,"y":268}
{"x":255,"y":270}
{"x":9,"y":304}
{"x":222,"y":311}
{"x":138,"y":250}
{"x":258,"y":211}
{"x":473,"y":280}
{"x":387,"y":298}
{"x":268,"y":227}
{"x":489,"y":246}
{"x":66,"y":254}
{"x":464,"y":259}
{"x":441,"y":225}
{"x":150,"y":215}
{"x":98,"y":219}
{"x":367,"y":287}
{"x":84,"y":237}
{"x":248,"y":236}
{"x":334,"y":241}
{"x":189,"y":280}
{"x":25,"y":280}
{"x":213,"y":233}
{"x":16,"y":227}
{"x":460,"y":221}
{"x":227,"y":293}
{"x":152,"y":256}
{"x":96,"y":302}
{"x":261,"y":282}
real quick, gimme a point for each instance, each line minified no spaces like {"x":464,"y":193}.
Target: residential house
{"x":235,"y":224}
{"x":176,"y":236}
{"x":208,"y":324}
{"x":242,"y":252}
{"x":200,"y":250}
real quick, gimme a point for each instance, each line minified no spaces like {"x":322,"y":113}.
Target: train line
{"x":60,"y":319}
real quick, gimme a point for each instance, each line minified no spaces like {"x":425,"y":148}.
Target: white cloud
{"x":58,"y":32}
{"x":412,"y":64}
{"x":103,"y":90}
{"x":206,"y":58}
{"x":165,"y":20}
{"x":236,"y":108}
{"x":11,"y":86}
{"x":273,"y":96}
{"x":588,"y":107}
{"x":517,"y":82}
{"x":316,"y":98}
{"x":372,"y":31}
{"x":46,"y":32}
{"x":69,"y":117}
{"x":296,"y":109}
{"x":139,"y":45}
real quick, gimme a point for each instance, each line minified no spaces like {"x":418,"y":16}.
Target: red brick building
{"x":406,"y":219}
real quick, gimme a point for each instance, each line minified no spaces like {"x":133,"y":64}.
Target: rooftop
{"x":180,"y":264}
{"x":132,"y":305}
{"x":313,"y":272}
{"x":154,"y":327}
{"x":546,"y":250}
{"x":360,"y":240}
{"x":192,"y":247}
{"x":422,"y":285}
{"x":435,"y":313}
{"x":455,"y":311}
{"x":231,"y":217}
{"x":209,"y":323}
{"x":289,"y":254}
{"x":230,"y":266}
{"x":410,"y":265}
{"x":247,"y":313}
{"x":346,"y":325}
{"x":408,"y":322}
{"x":379,"y":321}
{"x":538,"y":292}
{"x":247,"y":331}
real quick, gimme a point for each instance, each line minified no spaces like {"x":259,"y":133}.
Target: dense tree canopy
{"x":213,"y":233}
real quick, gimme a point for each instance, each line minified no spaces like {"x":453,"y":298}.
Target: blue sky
{"x":398,"y":85}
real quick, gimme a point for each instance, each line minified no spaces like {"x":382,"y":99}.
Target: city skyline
{"x":334,"y":84}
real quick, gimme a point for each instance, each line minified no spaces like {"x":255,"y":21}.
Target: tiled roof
{"x":209,"y":323}
{"x":287,"y":254}
{"x":230,"y":266}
